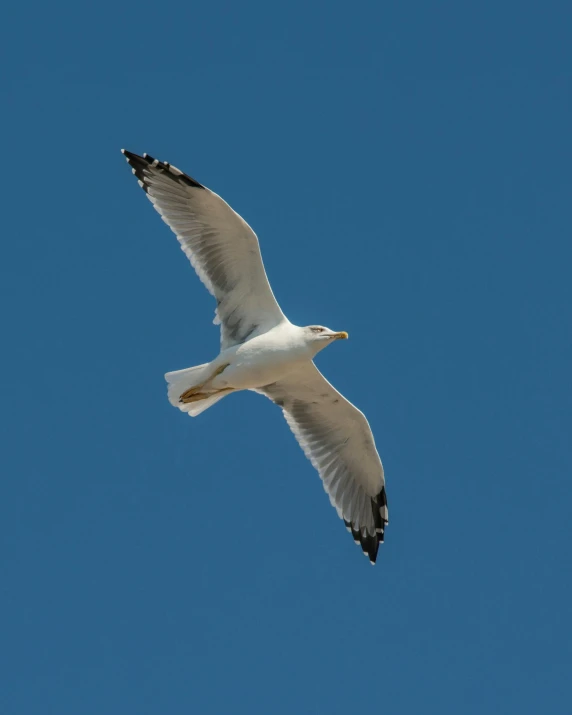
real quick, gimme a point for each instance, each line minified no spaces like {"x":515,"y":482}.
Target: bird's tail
{"x":182,"y":380}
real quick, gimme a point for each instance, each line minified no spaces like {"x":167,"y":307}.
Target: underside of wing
{"x":220,"y":245}
{"x":337,"y":439}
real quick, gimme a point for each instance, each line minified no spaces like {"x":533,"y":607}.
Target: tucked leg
{"x":197,"y":396}
{"x":197,"y":389}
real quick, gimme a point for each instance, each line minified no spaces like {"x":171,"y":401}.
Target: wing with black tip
{"x":220,"y":245}
{"x":337,"y":439}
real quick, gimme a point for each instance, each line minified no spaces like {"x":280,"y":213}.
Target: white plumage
{"x":262,"y":351}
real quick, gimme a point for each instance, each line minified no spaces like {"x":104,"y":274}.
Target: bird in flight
{"x":262,"y":351}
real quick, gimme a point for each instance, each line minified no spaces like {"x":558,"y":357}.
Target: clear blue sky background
{"x":407,"y":167}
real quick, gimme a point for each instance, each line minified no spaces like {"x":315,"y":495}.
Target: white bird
{"x":261,"y":350}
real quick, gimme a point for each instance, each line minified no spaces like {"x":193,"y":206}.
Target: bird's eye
{"x":317,"y":330}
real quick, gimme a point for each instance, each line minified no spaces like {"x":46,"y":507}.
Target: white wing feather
{"x":221,"y":246}
{"x":337,"y":439}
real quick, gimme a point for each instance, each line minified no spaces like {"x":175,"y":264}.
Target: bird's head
{"x":317,"y":336}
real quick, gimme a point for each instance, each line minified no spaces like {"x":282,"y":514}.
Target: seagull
{"x":262,"y":351}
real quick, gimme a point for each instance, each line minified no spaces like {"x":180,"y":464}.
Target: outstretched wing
{"x":220,"y":245}
{"x":337,"y":439}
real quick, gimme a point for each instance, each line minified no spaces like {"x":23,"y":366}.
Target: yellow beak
{"x":340,"y":336}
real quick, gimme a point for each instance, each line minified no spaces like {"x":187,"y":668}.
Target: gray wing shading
{"x":220,"y":245}
{"x":337,"y":439}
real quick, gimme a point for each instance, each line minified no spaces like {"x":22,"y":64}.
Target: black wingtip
{"x":130,"y":154}
{"x":144,"y":167}
{"x":370,"y":542}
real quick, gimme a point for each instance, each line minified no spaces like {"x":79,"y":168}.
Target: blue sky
{"x":407,"y":169}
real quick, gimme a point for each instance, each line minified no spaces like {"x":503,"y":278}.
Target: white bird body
{"x":264,"y":359}
{"x":261,"y":350}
